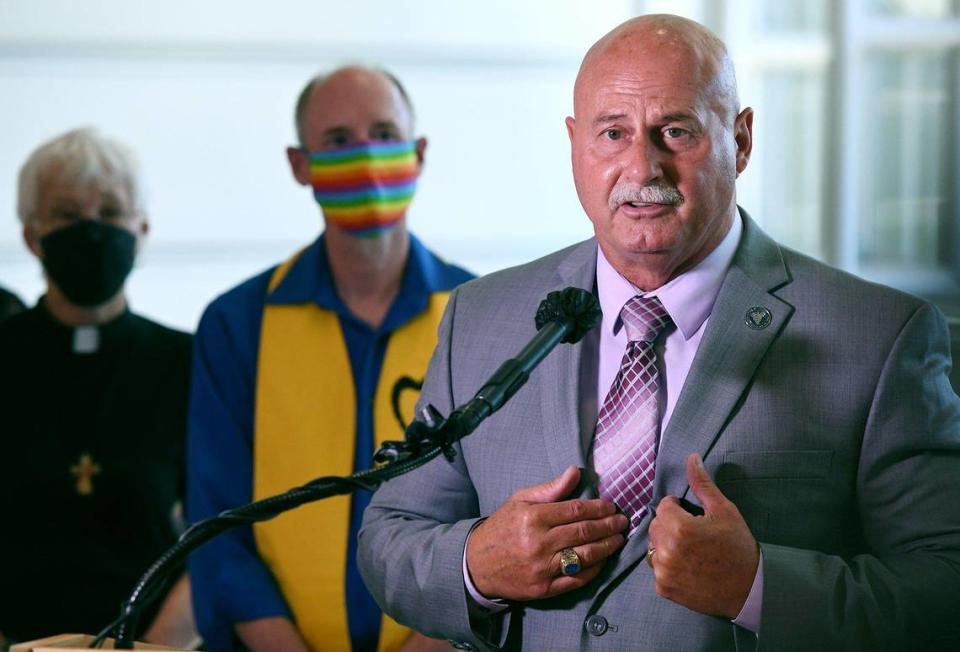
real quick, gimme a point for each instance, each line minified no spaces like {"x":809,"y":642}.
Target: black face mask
{"x":89,"y":260}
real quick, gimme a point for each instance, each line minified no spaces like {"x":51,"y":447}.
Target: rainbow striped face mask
{"x":365,"y":188}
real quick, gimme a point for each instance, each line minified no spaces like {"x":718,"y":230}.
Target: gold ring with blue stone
{"x":569,"y":562}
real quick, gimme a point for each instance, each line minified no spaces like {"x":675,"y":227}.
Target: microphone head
{"x":574,"y":306}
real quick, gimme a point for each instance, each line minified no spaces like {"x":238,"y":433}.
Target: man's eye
{"x":384,"y":134}
{"x":675,"y":132}
{"x":110,"y":213}
{"x":613,"y":134}
{"x":338,"y":140}
{"x":66,"y":215}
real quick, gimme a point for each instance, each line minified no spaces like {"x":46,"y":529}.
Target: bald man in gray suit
{"x":804,"y":455}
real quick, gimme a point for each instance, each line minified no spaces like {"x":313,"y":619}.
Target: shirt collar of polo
{"x":309,"y":279}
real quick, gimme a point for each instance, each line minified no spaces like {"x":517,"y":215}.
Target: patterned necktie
{"x":625,"y":444}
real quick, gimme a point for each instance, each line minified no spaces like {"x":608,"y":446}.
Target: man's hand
{"x":270,"y":634}
{"x":420,"y":643}
{"x":173,"y":625}
{"x":706,"y":563}
{"x":515,"y":554}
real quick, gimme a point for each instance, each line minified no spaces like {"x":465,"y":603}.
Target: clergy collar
{"x":87,"y":339}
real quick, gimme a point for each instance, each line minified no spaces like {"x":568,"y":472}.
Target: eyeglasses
{"x":106,"y":214}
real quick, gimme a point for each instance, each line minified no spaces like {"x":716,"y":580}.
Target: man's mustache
{"x":644,"y":195}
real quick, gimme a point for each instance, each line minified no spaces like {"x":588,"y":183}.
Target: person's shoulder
{"x":241,"y":303}
{"x":833,"y":286}
{"x":539,"y":274}
{"x":841,"y":302}
{"x":16,"y":322}
{"x":10,"y":304}
{"x":156,"y":346}
{"x":232,"y":321}
{"x":514,"y":294}
{"x":163,"y":335}
{"x":441,"y":274}
{"x":16,"y":326}
{"x":831,"y":297}
{"x":453,"y":275}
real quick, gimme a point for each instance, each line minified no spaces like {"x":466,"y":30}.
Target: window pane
{"x":913,"y":8}
{"x":908,"y":206}
{"x":793,"y":148}
{"x":794,"y":15}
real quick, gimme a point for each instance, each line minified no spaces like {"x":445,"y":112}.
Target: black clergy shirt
{"x":92,"y":424}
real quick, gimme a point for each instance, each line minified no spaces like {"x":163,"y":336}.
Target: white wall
{"x":204,"y":92}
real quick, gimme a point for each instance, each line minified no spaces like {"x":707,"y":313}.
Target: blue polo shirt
{"x":230,"y":582}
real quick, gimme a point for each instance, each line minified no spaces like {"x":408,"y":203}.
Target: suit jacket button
{"x":596,"y":625}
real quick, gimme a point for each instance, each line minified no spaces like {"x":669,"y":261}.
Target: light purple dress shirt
{"x":689,"y":300}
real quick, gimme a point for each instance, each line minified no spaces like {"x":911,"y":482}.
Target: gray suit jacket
{"x":834,"y":430}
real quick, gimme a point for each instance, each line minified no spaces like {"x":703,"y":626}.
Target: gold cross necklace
{"x":84,"y":470}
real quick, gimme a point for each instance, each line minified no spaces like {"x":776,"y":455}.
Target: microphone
{"x":564,"y":316}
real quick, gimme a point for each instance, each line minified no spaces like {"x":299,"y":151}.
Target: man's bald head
{"x":687,"y":47}
{"x":306,"y":96}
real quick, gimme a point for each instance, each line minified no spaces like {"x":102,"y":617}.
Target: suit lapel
{"x":558,"y":401}
{"x":559,"y":372}
{"x":726,"y":360}
{"x":725,"y":363}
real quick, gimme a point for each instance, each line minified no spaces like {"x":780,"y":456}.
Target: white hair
{"x":79,"y":156}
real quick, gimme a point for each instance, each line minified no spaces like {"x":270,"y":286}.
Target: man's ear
{"x":571,"y":123}
{"x":143,"y":230}
{"x":421,"y":148}
{"x":743,"y":134}
{"x":299,"y":165}
{"x":32,"y":239}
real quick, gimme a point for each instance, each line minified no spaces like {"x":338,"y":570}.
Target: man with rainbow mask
{"x":293,"y":376}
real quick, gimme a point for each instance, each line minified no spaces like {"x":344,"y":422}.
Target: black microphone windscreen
{"x":575,"y":305}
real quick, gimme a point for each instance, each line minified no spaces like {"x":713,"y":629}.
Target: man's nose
{"x":645,"y":160}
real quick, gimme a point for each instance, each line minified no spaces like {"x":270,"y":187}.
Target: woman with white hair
{"x":94,"y":402}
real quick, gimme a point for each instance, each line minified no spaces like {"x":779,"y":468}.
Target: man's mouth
{"x":640,"y":205}
{"x":647,"y":198}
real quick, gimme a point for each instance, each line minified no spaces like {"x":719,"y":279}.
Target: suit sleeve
{"x":414,"y":531}
{"x":904,"y":594}
{"x":229,"y":581}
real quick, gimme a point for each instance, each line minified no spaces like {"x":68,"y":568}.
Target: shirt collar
{"x":309,"y":280}
{"x":86,"y":339}
{"x":688,"y":298}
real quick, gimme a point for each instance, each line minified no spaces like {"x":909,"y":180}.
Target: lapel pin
{"x":758,"y":318}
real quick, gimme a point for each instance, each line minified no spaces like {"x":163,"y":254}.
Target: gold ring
{"x":569,"y":561}
{"x":650,"y":552}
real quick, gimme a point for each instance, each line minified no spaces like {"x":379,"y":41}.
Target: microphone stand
{"x":415,"y":451}
{"x":564,"y":316}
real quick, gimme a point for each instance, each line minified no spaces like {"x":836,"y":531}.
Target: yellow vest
{"x":305,"y":428}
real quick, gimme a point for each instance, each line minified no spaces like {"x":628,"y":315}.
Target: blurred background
{"x":855,"y":159}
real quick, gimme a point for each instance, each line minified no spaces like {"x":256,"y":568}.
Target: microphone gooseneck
{"x":564,"y":316}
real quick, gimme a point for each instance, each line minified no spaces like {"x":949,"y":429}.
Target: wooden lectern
{"x":70,"y":642}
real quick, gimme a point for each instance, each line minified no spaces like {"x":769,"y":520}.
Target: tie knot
{"x":644,"y":318}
